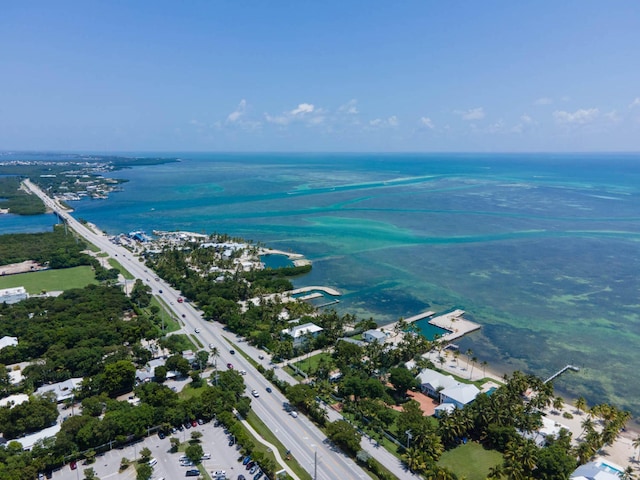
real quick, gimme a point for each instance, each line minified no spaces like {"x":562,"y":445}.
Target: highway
{"x":307,"y":443}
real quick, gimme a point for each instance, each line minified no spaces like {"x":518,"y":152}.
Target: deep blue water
{"x":543,"y":250}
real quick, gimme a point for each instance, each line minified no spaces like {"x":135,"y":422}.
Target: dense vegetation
{"x":57,"y":249}
{"x":18,"y":201}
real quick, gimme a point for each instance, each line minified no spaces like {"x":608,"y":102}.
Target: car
{"x":232,"y":352}
{"x":242,"y":372}
{"x":186,"y":463}
{"x":250,"y":465}
{"x":159,"y":291}
{"x":193,"y":473}
{"x":258,"y":475}
{"x":205,"y":456}
{"x":180,"y":300}
{"x":294,"y":414}
{"x":230,"y":366}
{"x":73,"y":465}
{"x":184,"y":316}
{"x":171,"y":303}
{"x":200,"y":421}
{"x":246,"y":460}
{"x":194,"y":423}
{"x":212,"y":346}
{"x":255,"y":393}
{"x":161,"y":435}
{"x":180,"y":428}
{"x":261,"y":357}
{"x":269,"y":390}
{"x":157,"y":279}
{"x":187,"y":425}
{"x":241,"y":477}
{"x":219,"y":473}
{"x":197,"y":329}
{"x":253,"y":469}
{"x":231,"y":443}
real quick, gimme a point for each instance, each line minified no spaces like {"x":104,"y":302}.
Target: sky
{"x":367,"y":75}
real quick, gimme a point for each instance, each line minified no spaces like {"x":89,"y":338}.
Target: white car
{"x":255,"y":393}
{"x":197,"y":330}
{"x":294,"y":414}
{"x":242,"y":372}
{"x":219,"y":473}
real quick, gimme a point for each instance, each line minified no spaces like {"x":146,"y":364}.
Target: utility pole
{"x":315,"y":465}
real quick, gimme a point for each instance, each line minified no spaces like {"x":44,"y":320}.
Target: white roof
{"x":13,"y":291}
{"x":7,"y":341}
{"x":377,"y":334}
{"x":301,"y":330}
{"x":14,"y":400}
{"x":63,"y":390}
{"x":596,"y":471}
{"x":29,"y":441}
{"x":436,"y":379}
{"x":462,"y":393}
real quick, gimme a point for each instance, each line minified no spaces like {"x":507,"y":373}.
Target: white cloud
{"x":234,"y":116}
{"x":526,"y":119}
{"x":278,"y":120}
{"x":302,"y":109}
{"x":582,"y":116}
{"x":525,"y":122}
{"x":472,"y":113}
{"x":392,"y":121}
{"x":427,"y":122}
{"x":635,"y":103}
{"x":350,"y":108}
{"x":613,"y":116}
{"x":543,"y":101}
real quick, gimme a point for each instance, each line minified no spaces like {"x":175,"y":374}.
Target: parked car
{"x":246,"y":460}
{"x":261,"y":357}
{"x":254,"y":469}
{"x":219,"y":473}
{"x":193,"y":473}
{"x":258,"y":475}
{"x":294,"y":414}
{"x":161,"y":435}
{"x":200,"y":421}
{"x":250,"y":465}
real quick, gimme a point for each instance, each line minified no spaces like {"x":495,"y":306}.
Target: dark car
{"x":184,"y":316}
{"x":161,"y":435}
{"x":232,"y":352}
{"x":246,"y":460}
{"x":269,"y":390}
{"x":241,"y":477}
{"x":250,"y":465}
{"x":193,"y":473}
{"x":194,"y":423}
{"x":187,"y":425}
{"x":159,"y":291}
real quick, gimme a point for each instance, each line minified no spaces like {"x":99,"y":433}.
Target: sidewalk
{"x":273,"y":448}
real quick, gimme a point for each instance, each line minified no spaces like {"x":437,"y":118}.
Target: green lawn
{"x":50,"y":280}
{"x":470,"y":461}
{"x":125,"y":273}
{"x":311,"y":363}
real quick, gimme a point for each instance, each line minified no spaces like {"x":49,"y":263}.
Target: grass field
{"x":125,"y":273}
{"x":50,"y":280}
{"x":311,"y":364}
{"x":470,"y":461}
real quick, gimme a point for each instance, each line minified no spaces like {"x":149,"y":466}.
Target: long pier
{"x":560,"y":372}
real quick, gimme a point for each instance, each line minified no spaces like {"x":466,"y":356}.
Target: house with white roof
{"x":300,"y":333}
{"x":447,"y":389}
{"x":13,"y":295}
{"x":548,"y":429}
{"x":62,"y":390}
{"x":373,"y":335}
{"x":7,"y":341}
{"x":597,"y":470}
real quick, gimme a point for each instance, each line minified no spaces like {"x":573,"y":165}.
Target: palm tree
{"x":580,"y":404}
{"x":468,"y":353}
{"x":587,"y":426}
{"x":214,"y":354}
{"x":484,"y":368}
{"x":628,"y":473}
{"x":636,"y":444}
{"x":558,"y":403}
{"x":495,"y":472}
{"x":474,"y":360}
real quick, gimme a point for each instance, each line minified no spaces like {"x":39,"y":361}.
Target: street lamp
{"x":409,"y":437}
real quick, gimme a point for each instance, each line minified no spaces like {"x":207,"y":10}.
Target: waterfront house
{"x":446,"y":389}
{"x":300,"y":333}
{"x":597,"y":470}
{"x":372,"y":336}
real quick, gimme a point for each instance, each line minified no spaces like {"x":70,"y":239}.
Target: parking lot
{"x":214,"y":441}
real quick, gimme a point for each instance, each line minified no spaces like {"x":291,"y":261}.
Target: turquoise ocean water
{"x":543,"y":250}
